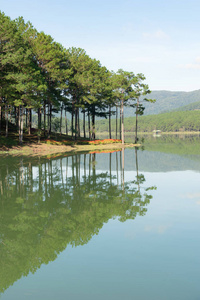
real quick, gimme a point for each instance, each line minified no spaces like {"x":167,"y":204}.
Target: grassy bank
{"x":41,"y":146}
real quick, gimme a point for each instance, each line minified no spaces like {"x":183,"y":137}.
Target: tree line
{"x":38,"y":75}
{"x":179,"y":121}
{"x":168,"y":122}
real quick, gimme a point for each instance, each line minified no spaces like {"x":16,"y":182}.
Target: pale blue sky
{"x":155,"y":37}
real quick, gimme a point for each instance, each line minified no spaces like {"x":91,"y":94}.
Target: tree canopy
{"x":39,"y":76}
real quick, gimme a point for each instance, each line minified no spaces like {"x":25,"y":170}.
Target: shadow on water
{"x":46,"y":205}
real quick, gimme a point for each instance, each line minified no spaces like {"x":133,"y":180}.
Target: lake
{"x":124,"y":224}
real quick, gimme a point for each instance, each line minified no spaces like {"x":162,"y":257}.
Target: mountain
{"x":167,"y":101}
{"x":191,"y":106}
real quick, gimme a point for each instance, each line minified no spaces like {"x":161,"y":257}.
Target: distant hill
{"x":166,"y":122}
{"x":192,"y":106}
{"x":167,"y":101}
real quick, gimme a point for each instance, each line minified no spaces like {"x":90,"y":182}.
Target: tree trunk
{"x":0,"y":118}
{"x":89,"y":125}
{"x":61,"y":119}
{"x":29,"y":121}
{"x":16,"y":116}
{"x":22,"y":124}
{"x":44,"y":108}
{"x":136,"y":121}
{"x":93,"y":123}
{"x":49,"y":119}
{"x":122,"y":112}
{"x":39,"y":118}
{"x":38,"y":115}
{"x":10,"y":114}
{"x":3,"y":114}
{"x":76,"y":122}
{"x":84,"y":124}
{"x":79,"y":133}
{"x":26,"y":117}
{"x":110,"y":122}
{"x":66,"y":122}
{"x":120,"y":121}
{"x":19,"y":122}
{"x":72,"y":121}
{"x":21,"y":112}
{"x":6,"y":116}
{"x":116,"y":121}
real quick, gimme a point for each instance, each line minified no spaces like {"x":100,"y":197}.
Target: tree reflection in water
{"x":46,"y":205}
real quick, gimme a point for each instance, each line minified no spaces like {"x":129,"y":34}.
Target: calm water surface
{"x":102,"y":225}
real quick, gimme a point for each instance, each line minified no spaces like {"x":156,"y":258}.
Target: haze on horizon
{"x":158,"y":39}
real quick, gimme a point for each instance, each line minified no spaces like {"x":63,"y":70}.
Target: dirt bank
{"x":48,"y":149}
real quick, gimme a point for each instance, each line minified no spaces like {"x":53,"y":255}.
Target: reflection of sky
{"x":152,"y":257}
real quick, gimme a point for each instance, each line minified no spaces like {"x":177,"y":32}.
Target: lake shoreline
{"x":151,"y":133}
{"x":43,"y":149}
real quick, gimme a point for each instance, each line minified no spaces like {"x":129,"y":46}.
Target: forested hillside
{"x":166,"y":122}
{"x":192,"y":106}
{"x":167,"y":101}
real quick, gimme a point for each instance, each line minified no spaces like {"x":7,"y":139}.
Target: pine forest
{"x":40,"y":79}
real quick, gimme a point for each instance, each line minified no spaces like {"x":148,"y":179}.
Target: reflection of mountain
{"x":163,"y":154}
{"x":176,"y":152}
{"x":48,"y":205}
{"x":164,"y":162}
{"x":152,"y":161}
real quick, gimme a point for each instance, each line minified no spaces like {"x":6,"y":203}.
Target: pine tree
{"x":52,"y":60}
{"x":123,"y":91}
{"x":139,"y":90}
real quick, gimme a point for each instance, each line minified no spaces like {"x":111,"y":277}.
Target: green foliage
{"x":56,"y":124}
{"x":191,"y":106}
{"x":168,"y":122}
{"x":39,"y":74}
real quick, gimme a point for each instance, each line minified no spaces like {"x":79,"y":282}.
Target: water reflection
{"x":181,"y":144}
{"x":46,"y":205}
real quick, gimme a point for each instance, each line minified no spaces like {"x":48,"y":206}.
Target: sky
{"x":155,"y":37}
